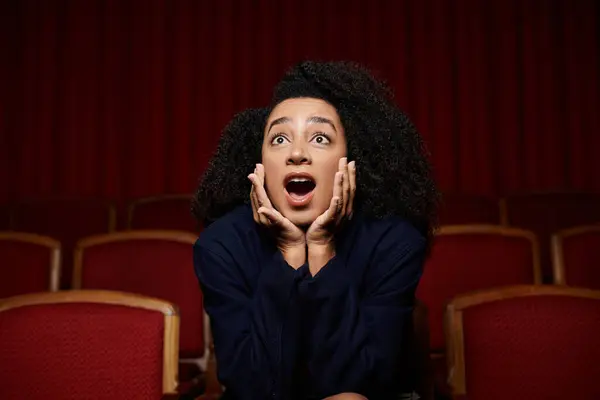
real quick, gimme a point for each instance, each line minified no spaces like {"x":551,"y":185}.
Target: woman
{"x":309,"y":264}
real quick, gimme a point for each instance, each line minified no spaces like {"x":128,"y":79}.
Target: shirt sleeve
{"x":355,"y":337}
{"x":248,"y":325}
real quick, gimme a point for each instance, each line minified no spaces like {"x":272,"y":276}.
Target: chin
{"x":301,"y":218}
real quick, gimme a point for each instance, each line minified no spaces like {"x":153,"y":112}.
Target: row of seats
{"x":452,"y":269}
{"x":542,"y":213}
{"x":529,"y":342}
{"x":457,"y":246}
{"x":469,"y":258}
{"x":158,"y":263}
{"x":465,"y":258}
{"x":532,"y":342}
{"x":148,"y":262}
{"x":71,"y":219}
{"x":524,"y":342}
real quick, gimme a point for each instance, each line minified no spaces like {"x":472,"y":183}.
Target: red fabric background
{"x":123,"y":99}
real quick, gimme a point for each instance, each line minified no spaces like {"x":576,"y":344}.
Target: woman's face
{"x":303,"y":143}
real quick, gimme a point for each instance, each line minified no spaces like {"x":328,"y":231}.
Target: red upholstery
{"x":463,"y":262}
{"x":468,"y":209}
{"x":81,"y":351}
{"x":161,"y":268}
{"x":26,"y":264}
{"x":67,"y":220}
{"x":540,"y":347}
{"x":167,"y":212}
{"x":581,"y":258}
{"x":546,"y":213}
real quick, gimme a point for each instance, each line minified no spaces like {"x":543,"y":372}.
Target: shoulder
{"x":390,"y":235}
{"x":396,"y":252}
{"x":228,"y":233}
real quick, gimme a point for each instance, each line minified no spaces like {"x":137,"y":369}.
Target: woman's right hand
{"x":290,"y":239}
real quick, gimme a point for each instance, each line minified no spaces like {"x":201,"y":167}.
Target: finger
{"x":253,"y":200}
{"x":259,"y":187}
{"x":257,"y":201}
{"x":338,"y":185}
{"x":335,"y":206}
{"x":345,"y":188}
{"x":260,"y":171}
{"x":260,"y":192}
{"x":261,"y":196}
{"x":352,"y":182}
{"x":330,"y":215}
{"x":272,"y":216}
{"x":259,"y":218}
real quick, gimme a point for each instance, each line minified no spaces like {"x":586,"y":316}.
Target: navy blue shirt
{"x":281,"y":333}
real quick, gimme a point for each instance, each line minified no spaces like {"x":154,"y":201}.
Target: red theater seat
{"x":472,"y":257}
{"x":28,"y":263}
{"x":547,"y":213}
{"x":576,"y":257}
{"x":151,"y":263}
{"x":74,"y":345}
{"x":525,"y":342}
{"x":66,"y":220}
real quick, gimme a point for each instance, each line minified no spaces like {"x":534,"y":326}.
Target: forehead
{"x":304,"y":107}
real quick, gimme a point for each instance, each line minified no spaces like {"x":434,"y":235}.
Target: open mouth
{"x":299,"y":189}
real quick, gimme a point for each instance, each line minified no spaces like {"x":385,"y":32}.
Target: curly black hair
{"x":393,"y":171}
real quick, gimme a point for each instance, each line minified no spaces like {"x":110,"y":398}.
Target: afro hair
{"x":394,"y":175}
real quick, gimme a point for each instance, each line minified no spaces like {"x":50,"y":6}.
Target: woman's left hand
{"x":321,"y":231}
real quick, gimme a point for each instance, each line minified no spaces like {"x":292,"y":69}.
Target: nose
{"x":298,"y":155}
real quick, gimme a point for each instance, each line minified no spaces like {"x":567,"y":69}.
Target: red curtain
{"x":124,"y":98}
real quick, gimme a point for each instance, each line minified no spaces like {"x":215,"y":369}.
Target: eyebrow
{"x":321,"y":120}
{"x":311,"y":120}
{"x":278,"y":121}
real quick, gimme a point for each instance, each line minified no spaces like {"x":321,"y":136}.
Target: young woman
{"x":318,"y":212}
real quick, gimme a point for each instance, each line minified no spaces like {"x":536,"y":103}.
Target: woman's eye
{"x":279,"y":140}
{"x":321,"y":139}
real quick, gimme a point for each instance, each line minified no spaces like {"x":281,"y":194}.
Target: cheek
{"x":270,"y":164}
{"x":327,"y":176}
{"x":273,"y":177}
